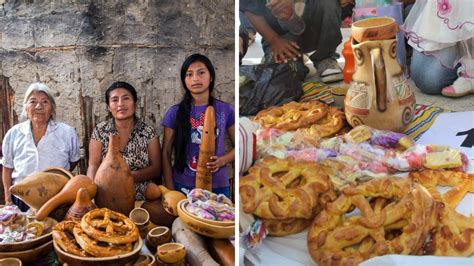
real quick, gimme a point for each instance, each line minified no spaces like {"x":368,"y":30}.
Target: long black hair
{"x":183,"y":125}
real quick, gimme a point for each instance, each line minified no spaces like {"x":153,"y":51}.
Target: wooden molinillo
{"x":115,"y":186}
{"x":207,"y":149}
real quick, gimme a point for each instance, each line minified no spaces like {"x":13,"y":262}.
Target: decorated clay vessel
{"x":206,"y":150}
{"x":67,"y":195}
{"x":170,"y":200}
{"x":81,"y":206}
{"x":379,"y":95}
{"x":115,"y":185}
{"x":157,"y":212}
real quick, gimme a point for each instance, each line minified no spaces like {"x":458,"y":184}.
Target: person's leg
{"x":428,"y":73}
{"x":323,"y":35}
{"x":245,"y":23}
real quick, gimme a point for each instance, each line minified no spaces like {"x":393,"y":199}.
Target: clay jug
{"x":206,"y":150}
{"x":115,"y":186}
{"x":81,"y":206}
{"x":67,"y":195}
{"x":379,"y":95}
{"x":170,"y":200}
{"x":152,"y":192}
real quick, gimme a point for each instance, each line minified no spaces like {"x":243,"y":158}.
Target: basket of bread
{"x":208,"y":214}
{"x":101,"y":236}
{"x":22,"y":236}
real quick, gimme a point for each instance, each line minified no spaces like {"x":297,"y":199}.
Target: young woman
{"x":183,"y":126}
{"x":139,"y":143}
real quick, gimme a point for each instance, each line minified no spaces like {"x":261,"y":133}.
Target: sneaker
{"x":462,"y":86}
{"x":329,"y":70}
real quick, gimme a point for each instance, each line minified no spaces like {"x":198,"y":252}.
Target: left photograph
{"x":117,"y":133}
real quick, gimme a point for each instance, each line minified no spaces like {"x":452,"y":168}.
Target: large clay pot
{"x":379,"y":95}
{"x":170,"y":200}
{"x":206,"y":150}
{"x":81,"y":206}
{"x":115,"y":186}
{"x":158,"y":215}
{"x":67,"y":195}
{"x":152,"y":192}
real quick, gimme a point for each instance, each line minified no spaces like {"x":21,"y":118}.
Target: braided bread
{"x":292,"y":115}
{"x":396,"y":205}
{"x":328,"y":126}
{"x":283,"y":188}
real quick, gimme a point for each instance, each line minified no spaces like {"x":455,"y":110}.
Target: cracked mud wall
{"x":78,"y":48}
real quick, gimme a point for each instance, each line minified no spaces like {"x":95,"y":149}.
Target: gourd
{"x":207,"y":149}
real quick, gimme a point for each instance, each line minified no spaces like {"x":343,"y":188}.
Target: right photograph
{"x":356,"y":132}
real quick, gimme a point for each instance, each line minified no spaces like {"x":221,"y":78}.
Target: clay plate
{"x":30,"y":255}
{"x":30,"y":244}
{"x":123,"y":259}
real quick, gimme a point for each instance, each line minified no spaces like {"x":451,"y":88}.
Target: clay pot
{"x":10,"y":262}
{"x":81,"y":206}
{"x":67,"y":195}
{"x":36,"y":189}
{"x":115,"y":185}
{"x":158,"y":215}
{"x":141,"y":218}
{"x":152,"y":192}
{"x":171,"y":252}
{"x":206,"y":150}
{"x":370,"y":29}
{"x":170,"y":200}
{"x":156,"y":237}
{"x":145,"y":260}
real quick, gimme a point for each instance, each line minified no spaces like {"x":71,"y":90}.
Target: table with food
{"x":322,"y":191}
{"x":75,"y":220}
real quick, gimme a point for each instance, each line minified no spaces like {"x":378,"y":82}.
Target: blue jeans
{"x":219,"y":190}
{"x":428,"y":73}
{"x":18,"y":202}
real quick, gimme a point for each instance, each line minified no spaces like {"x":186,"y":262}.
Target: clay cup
{"x":157,"y":236}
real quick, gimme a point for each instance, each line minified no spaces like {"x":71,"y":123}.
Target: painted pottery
{"x":379,"y":95}
{"x":171,"y":252}
{"x":67,"y":195}
{"x":81,"y":206}
{"x":115,"y":185}
{"x":170,"y":200}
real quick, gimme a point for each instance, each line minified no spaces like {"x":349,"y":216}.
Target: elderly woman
{"x":139,"y":143}
{"x":37,"y":143}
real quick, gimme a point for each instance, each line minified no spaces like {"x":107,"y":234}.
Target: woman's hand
{"x":284,"y":50}
{"x":216,"y":163}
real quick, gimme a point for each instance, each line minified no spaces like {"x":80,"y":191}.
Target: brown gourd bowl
{"x":123,"y":259}
{"x":204,"y":228}
{"x":370,"y":29}
{"x":30,"y":255}
{"x":219,"y":223}
{"x":29,"y":244}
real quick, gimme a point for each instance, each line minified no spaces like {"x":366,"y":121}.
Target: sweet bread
{"x":91,"y":245}
{"x":328,"y":126}
{"x":277,"y":227}
{"x":283,"y":188}
{"x":396,"y":216}
{"x":291,"y":116}
{"x":63,"y":235}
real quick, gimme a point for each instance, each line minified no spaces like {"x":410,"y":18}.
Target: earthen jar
{"x":81,"y":206}
{"x":157,"y":212}
{"x":379,"y":95}
{"x":115,"y":185}
{"x":170,"y":200}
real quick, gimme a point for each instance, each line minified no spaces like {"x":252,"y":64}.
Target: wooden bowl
{"x":29,"y":255}
{"x":30,"y":244}
{"x":123,"y":259}
{"x":204,"y":228}
{"x":219,"y":223}
{"x":10,"y":262}
{"x":370,"y":29}
{"x":171,"y":252}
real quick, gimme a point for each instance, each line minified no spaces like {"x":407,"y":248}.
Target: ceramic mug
{"x":171,"y":252}
{"x":157,"y":236}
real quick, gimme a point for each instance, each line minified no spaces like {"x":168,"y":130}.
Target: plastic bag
{"x":262,"y":86}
